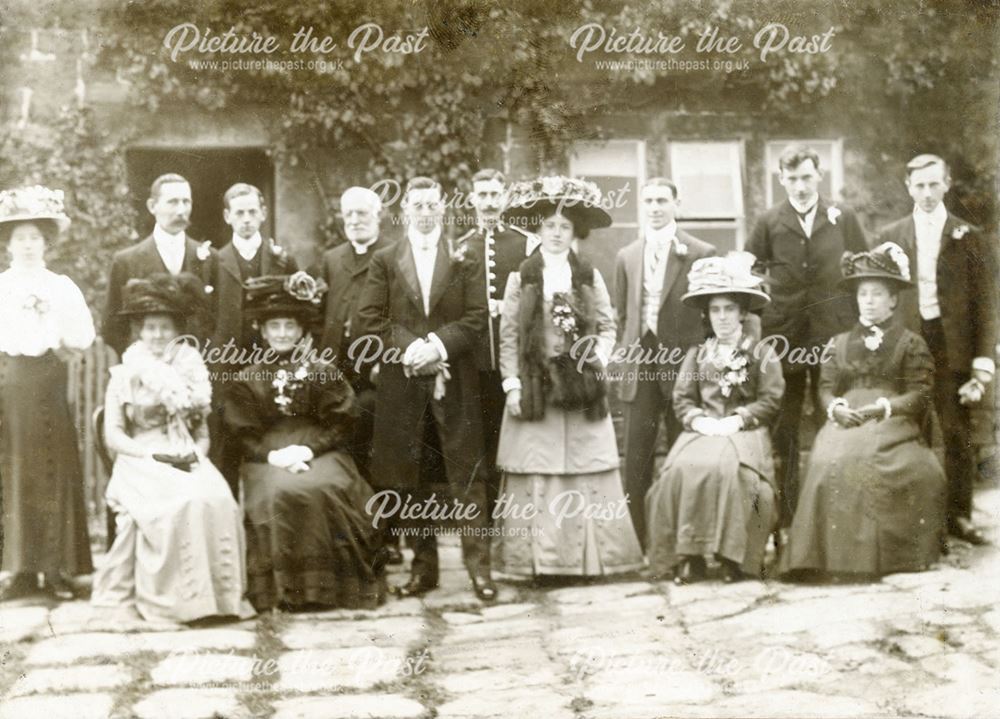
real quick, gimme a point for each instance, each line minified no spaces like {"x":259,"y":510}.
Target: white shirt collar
{"x":363,"y":249}
{"x":811,"y":204}
{"x":663,"y":235}
{"x":420,"y":240}
{"x":553,"y":260}
{"x":247,"y":248}
{"x":939,"y":214}
{"x":162,"y":237}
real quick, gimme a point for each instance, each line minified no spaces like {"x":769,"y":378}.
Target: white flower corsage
{"x":34,"y":303}
{"x":959,"y":232}
{"x":874,"y":340}
{"x":832,"y":213}
{"x":680,"y":249}
{"x":277,"y":250}
{"x":204,"y":250}
{"x":209,"y":289}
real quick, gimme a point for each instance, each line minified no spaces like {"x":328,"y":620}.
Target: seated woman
{"x":178,"y":553}
{"x":716,"y":491}
{"x":310,"y":540}
{"x":557,"y":443}
{"x":872,"y":500}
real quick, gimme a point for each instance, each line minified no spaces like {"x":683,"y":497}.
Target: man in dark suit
{"x":167,"y":249}
{"x":801,"y":240}
{"x":426,"y":305}
{"x":650,"y":278}
{"x":245,"y":256}
{"x":345,"y":269}
{"x":503,"y":249}
{"x":955,"y":309}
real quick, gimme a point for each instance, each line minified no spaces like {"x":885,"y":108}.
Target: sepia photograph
{"x":458,"y":359}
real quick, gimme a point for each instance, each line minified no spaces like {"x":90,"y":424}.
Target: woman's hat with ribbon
{"x":298,"y":295}
{"x":532,"y":201}
{"x":729,"y":275}
{"x":887,"y":262}
{"x":182,"y":297}
{"x":27,"y":204}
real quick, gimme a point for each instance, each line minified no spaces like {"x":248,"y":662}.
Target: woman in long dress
{"x":561,"y":507}
{"x":310,"y":539}
{"x":43,"y":321}
{"x":716,"y":492}
{"x":178,"y":553}
{"x":872,"y":501}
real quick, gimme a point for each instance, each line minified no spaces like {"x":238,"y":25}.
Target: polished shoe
{"x":17,"y":585}
{"x":965,"y":530}
{"x":59,"y":587}
{"x":690,"y":569}
{"x":484,"y":588}
{"x":394,"y":555}
{"x":731,"y":572}
{"x":418,"y":585}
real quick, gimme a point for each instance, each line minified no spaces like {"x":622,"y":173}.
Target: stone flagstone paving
{"x":912,"y":645}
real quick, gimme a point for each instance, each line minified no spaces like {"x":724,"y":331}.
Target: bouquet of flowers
{"x":564,"y":315}
{"x":179,"y":381}
{"x":287,"y":382}
{"x":733,"y":363}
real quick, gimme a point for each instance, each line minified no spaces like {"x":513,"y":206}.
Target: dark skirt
{"x":872,"y":501}
{"x":44,"y":519}
{"x":309,"y":540}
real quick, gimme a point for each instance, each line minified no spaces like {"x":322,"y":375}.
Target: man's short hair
{"x":421,"y":183}
{"x":154,"y":189}
{"x":368,"y":195}
{"x":660,"y":182}
{"x":923,"y":161}
{"x":240,"y":189}
{"x":795,"y":155}
{"x":487,"y":174}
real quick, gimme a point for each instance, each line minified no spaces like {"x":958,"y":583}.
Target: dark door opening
{"x":211,"y":171}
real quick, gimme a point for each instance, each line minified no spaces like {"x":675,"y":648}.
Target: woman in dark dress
{"x":309,"y":538}
{"x":44,"y":320}
{"x":716,"y":491}
{"x":873,"y":497}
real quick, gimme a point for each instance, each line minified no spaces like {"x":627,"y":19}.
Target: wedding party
{"x":405,"y":390}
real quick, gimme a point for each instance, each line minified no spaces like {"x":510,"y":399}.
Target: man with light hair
{"x":955,"y":310}
{"x":345,"y":269}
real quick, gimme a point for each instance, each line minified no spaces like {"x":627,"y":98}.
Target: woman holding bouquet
{"x":567,"y":513}
{"x":716,"y":492}
{"x":310,"y":541}
{"x":178,"y":552}
{"x":44,"y":320}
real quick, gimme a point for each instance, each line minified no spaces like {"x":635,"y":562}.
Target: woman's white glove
{"x":294,"y":458}
{"x":514,"y":402}
{"x":707,"y":426}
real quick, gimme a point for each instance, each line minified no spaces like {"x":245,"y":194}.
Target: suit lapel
{"x":790,"y":220}
{"x":191,"y":262}
{"x":439,"y":281}
{"x":151,"y":257}
{"x":227,"y":258}
{"x":634,"y":269}
{"x":675,"y":265}
{"x":408,"y":270}
{"x":821,"y":217}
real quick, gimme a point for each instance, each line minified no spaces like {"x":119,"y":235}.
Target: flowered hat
{"x":182,"y":296}
{"x":886,"y":262}
{"x":729,"y":275}
{"x":299,"y":295}
{"x":532,"y":201}
{"x":33,"y":203}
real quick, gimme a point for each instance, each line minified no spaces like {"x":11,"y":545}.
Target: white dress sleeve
{"x":74,"y":322}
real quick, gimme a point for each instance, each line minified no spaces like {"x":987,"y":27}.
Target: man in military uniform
{"x":503,"y":249}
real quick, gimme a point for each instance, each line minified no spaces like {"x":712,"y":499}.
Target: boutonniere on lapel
{"x":959,"y":232}
{"x":874,"y":340}
{"x":680,"y":249}
{"x":204,"y":251}
{"x":832,"y":213}
{"x":276,"y":249}
{"x":458,"y":252}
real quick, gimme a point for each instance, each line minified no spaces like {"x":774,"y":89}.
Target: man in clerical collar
{"x":955,"y":309}
{"x":650,"y":280}
{"x":425,"y":304}
{"x":166,"y":249}
{"x":503,"y":250}
{"x":245,"y":256}
{"x":801,"y":240}
{"x":345,"y":270}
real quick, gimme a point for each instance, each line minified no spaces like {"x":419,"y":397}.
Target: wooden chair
{"x":97,"y":424}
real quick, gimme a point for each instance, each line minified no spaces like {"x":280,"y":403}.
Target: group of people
{"x":462,"y":383}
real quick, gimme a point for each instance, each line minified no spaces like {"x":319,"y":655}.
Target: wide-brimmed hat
{"x":182,"y":296}
{"x":887,"y":262}
{"x":532,"y":201}
{"x":298,"y":295}
{"x":24,"y":204}
{"x":729,"y":275}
